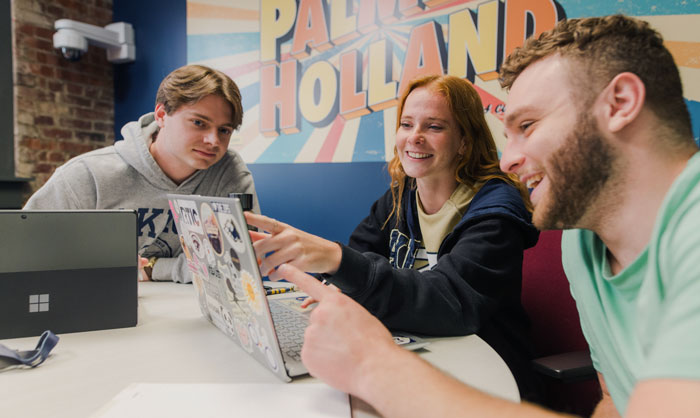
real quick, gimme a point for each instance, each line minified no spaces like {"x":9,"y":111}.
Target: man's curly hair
{"x":598,"y":49}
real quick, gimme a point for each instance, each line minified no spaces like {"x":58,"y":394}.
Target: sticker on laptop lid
{"x":232,"y":230}
{"x":185,"y":249}
{"x":234,"y":263}
{"x":209,"y":251}
{"x":256,"y":298}
{"x":262,"y":342}
{"x":174,"y":210}
{"x":188,"y":216}
{"x":271,"y":358}
{"x":243,"y":335}
{"x":195,"y":244}
{"x":211,"y":228}
{"x":201,"y":295}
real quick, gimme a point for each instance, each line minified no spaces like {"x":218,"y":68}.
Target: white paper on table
{"x":227,"y":400}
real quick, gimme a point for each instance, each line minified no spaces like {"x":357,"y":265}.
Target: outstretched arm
{"x":481,"y":273}
{"x":479,"y":276}
{"x":665,"y":398}
{"x":351,"y":350}
{"x":285,"y":244}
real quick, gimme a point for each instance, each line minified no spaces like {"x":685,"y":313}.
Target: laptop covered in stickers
{"x":230,"y":292}
{"x":67,"y":271}
{"x":228,"y":283}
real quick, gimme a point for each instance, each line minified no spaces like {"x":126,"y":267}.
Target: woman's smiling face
{"x":428,"y":139}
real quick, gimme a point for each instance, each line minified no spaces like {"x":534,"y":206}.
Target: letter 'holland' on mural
{"x":479,"y":38}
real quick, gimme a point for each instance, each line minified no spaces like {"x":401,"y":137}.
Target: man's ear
{"x":160,"y":114}
{"x":623,"y":100}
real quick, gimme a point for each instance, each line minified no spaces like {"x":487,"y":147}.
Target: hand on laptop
{"x":285,"y":244}
{"x":336,"y":348}
{"x":310,"y":301}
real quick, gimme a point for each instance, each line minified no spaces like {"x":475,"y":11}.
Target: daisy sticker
{"x":252,"y":292}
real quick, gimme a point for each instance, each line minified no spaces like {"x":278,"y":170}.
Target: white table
{"x":173,"y":343}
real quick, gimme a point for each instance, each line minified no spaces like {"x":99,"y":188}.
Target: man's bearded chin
{"x":580,"y":169}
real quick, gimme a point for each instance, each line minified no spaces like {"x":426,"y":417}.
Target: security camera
{"x":72,"y":54}
{"x":72,"y":38}
{"x":71,"y":42}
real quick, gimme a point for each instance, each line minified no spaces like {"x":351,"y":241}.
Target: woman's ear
{"x":462,"y":147}
{"x":622,"y":100}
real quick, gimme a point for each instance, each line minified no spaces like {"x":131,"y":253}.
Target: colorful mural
{"x":320,"y":79}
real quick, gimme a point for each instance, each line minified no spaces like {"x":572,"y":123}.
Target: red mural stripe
{"x":209,"y":11}
{"x":234,"y":72}
{"x":398,"y":39}
{"x":493,"y":103}
{"x":325,"y":155}
{"x":429,"y":10}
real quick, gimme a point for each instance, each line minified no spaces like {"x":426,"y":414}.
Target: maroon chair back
{"x":547,"y":299}
{"x":556,"y":327}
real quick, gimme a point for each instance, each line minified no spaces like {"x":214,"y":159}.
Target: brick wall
{"x":62,"y":108}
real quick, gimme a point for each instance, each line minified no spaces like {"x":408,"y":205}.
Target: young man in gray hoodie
{"x":181,"y":147}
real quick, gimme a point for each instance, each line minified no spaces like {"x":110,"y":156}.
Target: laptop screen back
{"x":67,"y":271}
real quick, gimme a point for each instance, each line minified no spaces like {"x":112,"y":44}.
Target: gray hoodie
{"x":125,"y":176}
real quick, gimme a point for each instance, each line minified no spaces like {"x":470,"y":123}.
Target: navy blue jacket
{"x":473,"y":289}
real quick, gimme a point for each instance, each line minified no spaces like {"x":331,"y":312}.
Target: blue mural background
{"x":328,"y":199}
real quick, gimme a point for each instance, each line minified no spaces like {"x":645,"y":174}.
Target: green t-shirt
{"x":643,"y":323}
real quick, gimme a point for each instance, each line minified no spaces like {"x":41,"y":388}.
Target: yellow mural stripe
{"x":676,"y":27}
{"x":686,"y":54}
{"x":208,"y":11}
{"x":691,"y":87}
{"x":389,"y":132}
{"x":496,"y":127}
{"x":678,"y":32}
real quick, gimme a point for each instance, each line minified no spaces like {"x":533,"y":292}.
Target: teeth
{"x":533,"y":181}
{"x":417,"y":155}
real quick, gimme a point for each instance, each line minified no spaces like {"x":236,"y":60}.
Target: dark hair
{"x":601,"y":48}
{"x":479,"y":163}
{"x":189,"y":84}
